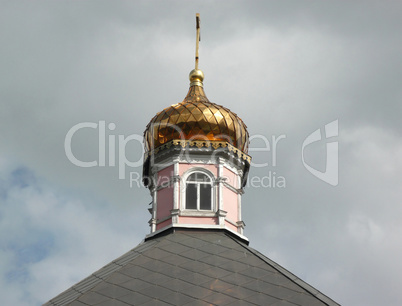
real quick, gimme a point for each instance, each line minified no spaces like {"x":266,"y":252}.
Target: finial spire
{"x":196,"y":75}
{"x":197,"y":43}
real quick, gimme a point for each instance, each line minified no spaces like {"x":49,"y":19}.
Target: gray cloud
{"x":286,"y":68}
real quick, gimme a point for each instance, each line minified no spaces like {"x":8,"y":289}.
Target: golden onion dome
{"x":196,"y":118}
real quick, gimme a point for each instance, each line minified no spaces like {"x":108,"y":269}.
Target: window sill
{"x":197,"y":213}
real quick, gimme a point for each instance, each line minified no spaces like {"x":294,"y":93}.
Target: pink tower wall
{"x":185,"y":167}
{"x":163,"y":224}
{"x":231,"y":177}
{"x":230,"y":204}
{"x":198,"y":220}
{"x":165,"y":202}
{"x":231,"y":226}
{"x":165,"y":197}
{"x":165,"y":175}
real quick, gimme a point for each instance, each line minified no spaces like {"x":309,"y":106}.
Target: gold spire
{"x":197,"y":42}
{"x":196,"y":119}
{"x":196,"y":75}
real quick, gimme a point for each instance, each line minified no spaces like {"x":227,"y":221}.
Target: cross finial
{"x":197,"y":19}
{"x":196,"y":76}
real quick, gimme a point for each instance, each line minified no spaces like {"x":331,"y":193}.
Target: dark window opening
{"x":199,"y":192}
{"x":205,"y":197}
{"x":191,"y":196}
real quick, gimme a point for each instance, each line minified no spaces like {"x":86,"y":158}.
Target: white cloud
{"x":52,"y":239}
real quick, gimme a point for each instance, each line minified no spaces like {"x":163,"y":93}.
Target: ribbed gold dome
{"x":196,"y":118}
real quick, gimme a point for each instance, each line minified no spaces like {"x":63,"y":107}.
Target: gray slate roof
{"x":192,"y":268}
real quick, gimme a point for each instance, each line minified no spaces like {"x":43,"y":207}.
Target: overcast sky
{"x":287,"y":68}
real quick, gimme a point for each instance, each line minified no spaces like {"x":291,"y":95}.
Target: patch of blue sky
{"x":27,"y":253}
{"x":22,"y":177}
{"x":24,"y":243}
{"x":35,"y":250}
{"x":19,"y":178}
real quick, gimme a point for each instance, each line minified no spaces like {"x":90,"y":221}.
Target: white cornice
{"x":189,"y":155}
{"x":197,"y":226}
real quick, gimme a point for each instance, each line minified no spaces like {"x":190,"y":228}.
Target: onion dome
{"x":196,"y":118}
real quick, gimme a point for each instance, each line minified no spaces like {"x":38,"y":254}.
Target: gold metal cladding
{"x":196,"y":119}
{"x":199,"y":144}
{"x":196,"y":77}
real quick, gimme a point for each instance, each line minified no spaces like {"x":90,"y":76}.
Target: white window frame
{"x":197,"y":211}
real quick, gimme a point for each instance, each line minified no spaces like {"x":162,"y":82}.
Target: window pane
{"x":191,"y":196}
{"x":205,"y":196}
{"x":198,"y":177}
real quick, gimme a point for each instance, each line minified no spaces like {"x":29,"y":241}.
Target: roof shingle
{"x":193,"y":268}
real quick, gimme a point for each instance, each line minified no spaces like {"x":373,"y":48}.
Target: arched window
{"x":199,"y":192}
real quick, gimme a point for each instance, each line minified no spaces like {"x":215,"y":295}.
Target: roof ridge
{"x":295,"y":279}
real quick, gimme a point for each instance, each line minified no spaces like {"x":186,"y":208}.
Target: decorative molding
{"x":154,"y":209}
{"x":210,"y":144}
{"x":196,"y":226}
{"x":222,"y":216}
{"x":239,"y":212}
{"x":231,"y":188}
{"x":241,"y":224}
{"x":194,"y":158}
{"x":219,"y":180}
{"x":197,"y":213}
{"x":176,"y":181}
{"x":174,"y":212}
{"x":175,"y":215}
{"x":176,"y":178}
{"x":202,"y":159}
{"x":222,"y":213}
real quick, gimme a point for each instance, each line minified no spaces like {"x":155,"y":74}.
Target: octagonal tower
{"x":196,"y":163}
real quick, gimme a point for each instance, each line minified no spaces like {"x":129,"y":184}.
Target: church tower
{"x":196,"y":163}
